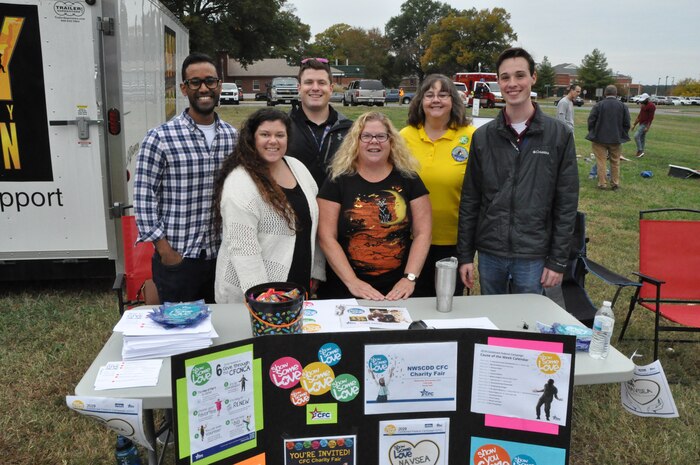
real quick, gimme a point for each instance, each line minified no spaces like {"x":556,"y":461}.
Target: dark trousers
{"x":191,"y":279}
{"x":425,"y":284}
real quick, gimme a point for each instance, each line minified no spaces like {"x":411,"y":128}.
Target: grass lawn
{"x":50,"y":332}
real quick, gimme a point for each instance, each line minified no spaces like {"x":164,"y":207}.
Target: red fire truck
{"x":482,"y":86}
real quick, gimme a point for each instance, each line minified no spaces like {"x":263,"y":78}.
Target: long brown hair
{"x":247,"y":156}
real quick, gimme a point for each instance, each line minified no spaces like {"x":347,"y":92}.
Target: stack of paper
{"x":144,"y":338}
{"x":135,"y":373}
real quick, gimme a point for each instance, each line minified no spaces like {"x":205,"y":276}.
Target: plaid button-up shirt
{"x":174,"y":184}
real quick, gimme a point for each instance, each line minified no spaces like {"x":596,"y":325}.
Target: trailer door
{"x":53,"y":179}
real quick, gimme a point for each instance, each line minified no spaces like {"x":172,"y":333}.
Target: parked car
{"x":260,"y":96}
{"x":283,"y":90}
{"x":337,"y":97}
{"x":365,"y":92}
{"x":229,"y":94}
{"x":578,"y":101}
{"x":687,"y":101}
{"x":392,"y":96}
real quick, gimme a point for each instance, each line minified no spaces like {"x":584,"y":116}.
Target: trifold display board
{"x":436,"y":397}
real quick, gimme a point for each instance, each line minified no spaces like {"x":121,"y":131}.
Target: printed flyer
{"x":410,"y":377}
{"x":221,"y":404}
{"x":376,"y":317}
{"x":333,"y":450}
{"x":521,"y":383}
{"x":485,"y":451}
{"x":414,"y":442}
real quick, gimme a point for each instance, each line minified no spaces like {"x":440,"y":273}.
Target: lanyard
{"x":326,"y":130}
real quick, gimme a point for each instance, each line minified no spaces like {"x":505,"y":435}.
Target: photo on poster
{"x":376,"y":317}
{"x":331,"y":450}
{"x":415,"y":441}
{"x":484,"y":451}
{"x":410,"y":377}
{"x":221,"y":394}
{"x":521,"y":383}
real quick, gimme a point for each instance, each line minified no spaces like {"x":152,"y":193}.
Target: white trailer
{"x":80,"y":84}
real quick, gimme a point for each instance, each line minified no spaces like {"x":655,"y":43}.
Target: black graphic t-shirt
{"x":374,"y":227}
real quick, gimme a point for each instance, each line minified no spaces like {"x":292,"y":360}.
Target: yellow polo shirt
{"x":442,"y":166}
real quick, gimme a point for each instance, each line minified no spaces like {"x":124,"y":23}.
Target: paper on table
{"x":456,"y":323}
{"x":128,"y":374}
{"x":323,"y":316}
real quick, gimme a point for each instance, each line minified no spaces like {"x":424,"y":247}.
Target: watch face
{"x":410,"y":276}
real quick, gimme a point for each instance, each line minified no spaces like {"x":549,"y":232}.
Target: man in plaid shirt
{"x":174,"y":183}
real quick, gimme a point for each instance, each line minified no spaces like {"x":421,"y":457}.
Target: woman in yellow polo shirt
{"x":439,"y":134}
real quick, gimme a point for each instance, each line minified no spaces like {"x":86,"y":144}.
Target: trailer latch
{"x":83,"y":123}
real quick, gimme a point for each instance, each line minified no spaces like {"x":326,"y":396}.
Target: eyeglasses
{"x":320,"y":60}
{"x":440,"y":95}
{"x":196,"y":83}
{"x":366,"y":137}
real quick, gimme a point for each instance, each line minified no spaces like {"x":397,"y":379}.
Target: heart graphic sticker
{"x":406,"y":453}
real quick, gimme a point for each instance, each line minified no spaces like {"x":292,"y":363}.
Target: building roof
{"x":566,"y":68}
{"x":271,"y":67}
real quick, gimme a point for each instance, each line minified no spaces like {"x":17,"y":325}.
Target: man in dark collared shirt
{"x":317,"y":128}
{"x":174,"y":183}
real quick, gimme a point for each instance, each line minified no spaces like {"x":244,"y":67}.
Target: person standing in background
{"x":608,"y":127}
{"x":439,"y":135}
{"x":565,"y":106}
{"x":644,"y":120}
{"x":174,"y":185}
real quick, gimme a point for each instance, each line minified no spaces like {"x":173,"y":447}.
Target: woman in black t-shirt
{"x":374,"y":215}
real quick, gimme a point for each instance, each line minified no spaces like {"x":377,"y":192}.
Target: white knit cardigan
{"x":257,"y":244}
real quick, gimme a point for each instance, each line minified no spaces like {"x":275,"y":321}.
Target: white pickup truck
{"x":365,"y":92}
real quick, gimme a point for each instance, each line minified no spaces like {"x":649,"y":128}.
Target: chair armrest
{"x":649,"y":279}
{"x":607,"y":275}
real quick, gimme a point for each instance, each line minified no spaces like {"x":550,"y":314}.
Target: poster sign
{"x":24,"y":132}
{"x":332,"y":450}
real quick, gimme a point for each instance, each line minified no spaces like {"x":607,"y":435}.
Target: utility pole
{"x":666,"y":86}
{"x":656,"y":91}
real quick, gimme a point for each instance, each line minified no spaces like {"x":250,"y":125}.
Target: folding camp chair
{"x":137,"y":268}
{"x":669,"y":272}
{"x":573,"y":286}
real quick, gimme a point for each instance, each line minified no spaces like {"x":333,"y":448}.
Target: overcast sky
{"x":645,"y":39}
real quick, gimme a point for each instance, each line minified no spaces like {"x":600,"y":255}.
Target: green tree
{"x":248,"y":29}
{"x":355,"y":45}
{"x":687,"y":87}
{"x":594,"y":72}
{"x":462,"y":40}
{"x":405,"y":30}
{"x":545,"y":78}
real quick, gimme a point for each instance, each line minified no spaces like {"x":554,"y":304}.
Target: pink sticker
{"x":299,"y":397}
{"x":285,"y":372}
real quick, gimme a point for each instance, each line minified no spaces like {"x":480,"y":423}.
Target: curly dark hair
{"x":247,"y":156}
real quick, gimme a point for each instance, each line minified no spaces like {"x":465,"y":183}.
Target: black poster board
{"x":326,"y":421}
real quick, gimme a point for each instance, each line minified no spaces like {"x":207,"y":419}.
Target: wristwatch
{"x":410,"y":276}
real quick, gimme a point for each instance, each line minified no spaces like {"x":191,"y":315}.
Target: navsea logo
{"x":320,"y":414}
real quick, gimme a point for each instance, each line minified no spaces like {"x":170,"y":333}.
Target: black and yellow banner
{"x":24,"y":132}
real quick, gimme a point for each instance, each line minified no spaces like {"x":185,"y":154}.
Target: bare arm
{"x":328,"y":240}
{"x":421,"y":227}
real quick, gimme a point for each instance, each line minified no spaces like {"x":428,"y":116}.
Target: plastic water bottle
{"x":126,"y":452}
{"x":602,"y":331}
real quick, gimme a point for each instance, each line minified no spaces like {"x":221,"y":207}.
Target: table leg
{"x":150,"y":432}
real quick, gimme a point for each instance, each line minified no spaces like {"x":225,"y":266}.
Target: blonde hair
{"x":345,"y":159}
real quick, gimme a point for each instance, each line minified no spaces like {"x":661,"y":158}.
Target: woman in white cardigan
{"x":265,"y":204}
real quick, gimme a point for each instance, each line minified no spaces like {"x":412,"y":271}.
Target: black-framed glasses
{"x":320,"y":60}
{"x":381,"y":137}
{"x":196,"y":83}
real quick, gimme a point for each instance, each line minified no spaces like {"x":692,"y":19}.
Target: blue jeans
{"x":523,"y":275}
{"x":640,"y":137}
